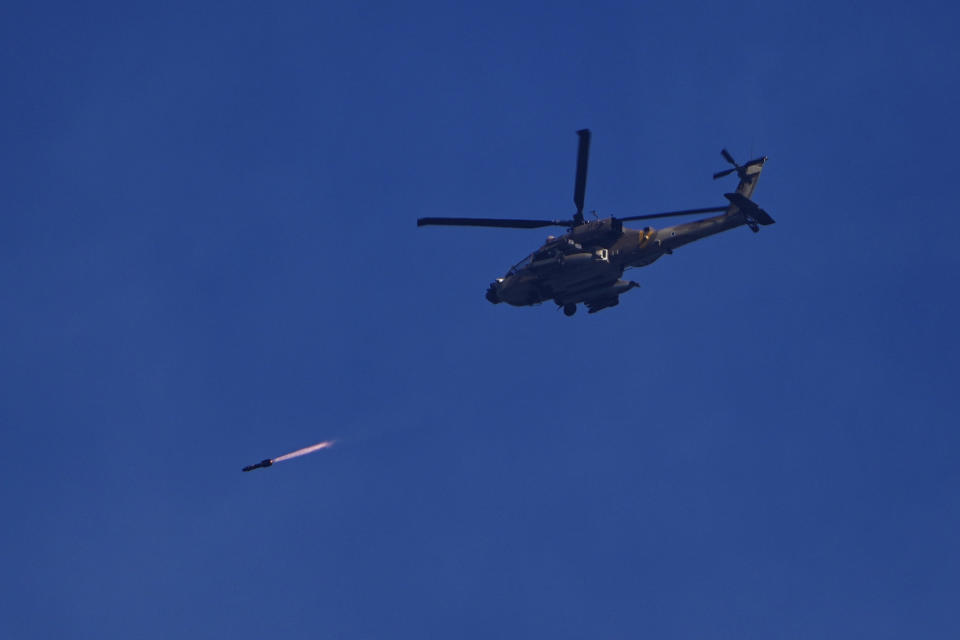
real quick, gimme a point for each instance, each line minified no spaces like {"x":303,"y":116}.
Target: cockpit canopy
{"x":520,"y":266}
{"x":551,"y":247}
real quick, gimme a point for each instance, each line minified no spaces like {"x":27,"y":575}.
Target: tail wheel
{"x":569,"y":309}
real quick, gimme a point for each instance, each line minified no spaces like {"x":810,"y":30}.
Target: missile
{"x":269,"y":462}
{"x":263,"y":464}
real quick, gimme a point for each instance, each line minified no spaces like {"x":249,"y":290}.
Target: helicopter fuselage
{"x":585,"y":264}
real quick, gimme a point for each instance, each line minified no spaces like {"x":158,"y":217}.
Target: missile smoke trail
{"x":263,"y":464}
{"x":304,"y":451}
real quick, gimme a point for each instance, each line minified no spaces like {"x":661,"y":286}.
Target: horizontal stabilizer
{"x":749,"y":208}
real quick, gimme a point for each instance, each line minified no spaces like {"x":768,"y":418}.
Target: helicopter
{"x":585,"y":265}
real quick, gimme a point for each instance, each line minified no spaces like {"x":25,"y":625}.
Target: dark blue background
{"x":208,"y":256}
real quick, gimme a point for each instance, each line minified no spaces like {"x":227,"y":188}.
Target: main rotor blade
{"x":583,"y":154}
{"x":493,"y":222}
{"x":669,"y":214}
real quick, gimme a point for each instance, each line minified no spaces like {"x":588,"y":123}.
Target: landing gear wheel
{"x":569,"y":309}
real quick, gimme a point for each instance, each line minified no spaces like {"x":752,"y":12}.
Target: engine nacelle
{"x":597,"y":232}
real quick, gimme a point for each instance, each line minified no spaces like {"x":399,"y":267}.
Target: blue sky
{"x":209,"y":257}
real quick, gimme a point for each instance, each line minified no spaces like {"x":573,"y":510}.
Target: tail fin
{"x":748,"y":173}
{"x":740,"y":201}
{"x":749,"y":176}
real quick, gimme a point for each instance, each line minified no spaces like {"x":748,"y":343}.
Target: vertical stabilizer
{"x":740,"y":202}
{"x":749,"y":175}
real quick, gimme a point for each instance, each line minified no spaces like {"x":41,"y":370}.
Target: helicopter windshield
{"x":520,"y":265}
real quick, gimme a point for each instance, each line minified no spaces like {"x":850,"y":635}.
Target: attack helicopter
{"x":585,"y":265}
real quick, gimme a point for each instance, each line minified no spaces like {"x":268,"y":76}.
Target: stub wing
{"x":608,"y":296}
{"x":605,"y":303}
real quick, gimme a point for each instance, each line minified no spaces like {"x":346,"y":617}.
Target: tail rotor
{"x":741,"y":170}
